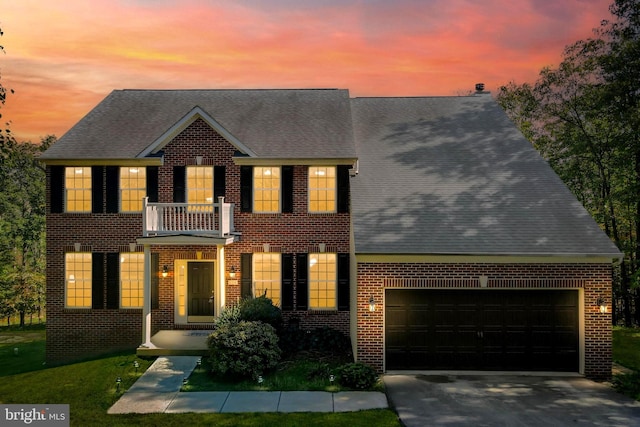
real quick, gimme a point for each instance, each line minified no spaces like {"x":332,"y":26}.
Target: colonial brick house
{"x":428,"y":229}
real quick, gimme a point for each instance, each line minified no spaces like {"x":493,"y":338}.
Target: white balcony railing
{"x":187,"y":218}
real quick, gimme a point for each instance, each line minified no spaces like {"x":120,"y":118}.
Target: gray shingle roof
{"x":453,"y":175}
{"x":272,"y":123}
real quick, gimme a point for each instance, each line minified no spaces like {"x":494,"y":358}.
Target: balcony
{"x":213,"y":219}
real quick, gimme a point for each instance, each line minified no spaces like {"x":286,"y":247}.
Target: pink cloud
{"x":64,"y":57}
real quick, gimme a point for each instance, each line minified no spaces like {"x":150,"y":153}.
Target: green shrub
{"x":627,"y":384}
{"x":329,"y":340}
{"x":319,"y":371}
{"x":323,"y":340}
{"x":357,"y":375}
{"x":243,"y":349}
{"x":229,"y":315}
{"x":261,"y":309}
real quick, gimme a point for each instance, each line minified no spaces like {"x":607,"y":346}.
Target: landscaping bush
{"x":243,"y":349}
{"x":358,"y":376}
{"x":229,"y":315}
{"x":627,"y":384}
{"x":324,"y":340}
{"x":261,"y":309}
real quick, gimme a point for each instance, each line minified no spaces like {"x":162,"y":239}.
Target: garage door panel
{"x":482,"y":329}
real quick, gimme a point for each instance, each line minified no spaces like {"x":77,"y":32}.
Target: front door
{"x":200,"y":289}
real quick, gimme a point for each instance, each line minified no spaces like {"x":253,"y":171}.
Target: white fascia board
{"x":183,"y":123}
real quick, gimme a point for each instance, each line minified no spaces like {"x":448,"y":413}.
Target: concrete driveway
{"x":507,"y":400}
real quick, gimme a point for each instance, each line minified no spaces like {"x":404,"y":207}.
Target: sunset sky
{"x":63,"y":57}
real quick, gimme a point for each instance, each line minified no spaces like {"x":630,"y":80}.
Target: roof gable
{"x":183,"y":123}
{"x":270,"y":124}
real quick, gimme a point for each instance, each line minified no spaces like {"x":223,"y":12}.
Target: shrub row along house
{"x":428,"y":229}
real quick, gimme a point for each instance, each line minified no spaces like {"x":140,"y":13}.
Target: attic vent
{"x":479,"y":87}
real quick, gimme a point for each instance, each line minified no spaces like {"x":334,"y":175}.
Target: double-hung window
{"x":77,"y":185}
{"x":133,"y":188}
{"x":200,"y":185}
{"x":131,"y":279}
{"x":266,"y":189}
{"x":322,"y":189}
{"x":267,"y":275}
{"x":78,"y":274}
{"x":323,"y":281}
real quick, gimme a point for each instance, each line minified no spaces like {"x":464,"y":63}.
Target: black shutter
{"x":218,"y":182}
{"x":246,"y":188}
{"x":113,"y":188}
{"x":179,"y":189}
{"x":57,"y":189}
{"x":155,"y":280}
{"x":97,"y":281}
{"x":113,"y":280}
{"x":97,"y":190}
{"x":287,"y":282}
{"x":302,"y":281}
{"x":287,"y":189}
{"x":245,"y":275}
{"x":343,"y":188}
{"x":152,"y":183}
{"x":343,"y":282}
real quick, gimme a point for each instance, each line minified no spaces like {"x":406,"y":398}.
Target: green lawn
{"x":90,"y":389}
{"x":626,"y":347}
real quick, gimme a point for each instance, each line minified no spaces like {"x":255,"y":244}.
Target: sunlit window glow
{"x":77,"y":266}
{"x":131,"y":279}
{"x":133,"y":188}
{"x":266,"y":186}
{"x":322,"y":281}
{"x":322,"y":189}
{"x":267,"y":276}
{"x":77,"y":187}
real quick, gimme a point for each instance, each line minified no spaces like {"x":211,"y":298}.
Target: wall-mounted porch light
{"x":165,"y":271}
{"x":372,"y":304}
{"x":602,"y":304}
{"x":232,"y":272}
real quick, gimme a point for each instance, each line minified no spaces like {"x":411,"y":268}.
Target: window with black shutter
{"x":97,"y":280}
{"x":246,"y":188}
{"x":97,"y":189}
{"x":287,"y":282}
{"x":113,"y":280}
{"x":343,"y":282}
{"x":113,"y":190}
{"x":179,"y":188}
{"x":245,"y":275}
{"x":56,"y":202}
{"x":302,"y":281}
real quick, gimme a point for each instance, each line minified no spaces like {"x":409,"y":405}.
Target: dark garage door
{"x":482,"y":329}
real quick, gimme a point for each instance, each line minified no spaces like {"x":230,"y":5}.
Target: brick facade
{"x":74,"y":333}
{"x":593,"y":279}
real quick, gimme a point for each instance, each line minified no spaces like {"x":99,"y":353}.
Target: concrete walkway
{"x":158,"y":390}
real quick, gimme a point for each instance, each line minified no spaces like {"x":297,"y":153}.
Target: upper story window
{"x":200,"y":184}
{"x":266,"y":189}
{"x":133,"y":188}
{"x":267,"y":275}
{"x":77,"y":185}
{"x":322,"y":189}
{"x":131,"y":279}
{"x":78,"y":273}
{"x":323,"y":281}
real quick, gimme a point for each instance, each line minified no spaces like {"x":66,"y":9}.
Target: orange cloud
{"x":63,"y":57}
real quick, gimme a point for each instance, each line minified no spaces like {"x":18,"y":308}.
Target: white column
{"x":146,"y":308}
{"x":220,"y":288}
